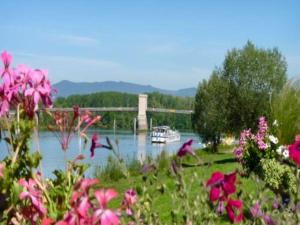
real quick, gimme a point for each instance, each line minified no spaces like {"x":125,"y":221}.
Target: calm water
{"x":131,"y":147}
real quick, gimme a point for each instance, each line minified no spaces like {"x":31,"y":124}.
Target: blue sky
{"x":168,"y":44}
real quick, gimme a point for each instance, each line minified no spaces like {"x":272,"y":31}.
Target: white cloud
{"x":76,"y":39}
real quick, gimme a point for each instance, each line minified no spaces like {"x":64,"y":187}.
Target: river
{"x":131,"y":147}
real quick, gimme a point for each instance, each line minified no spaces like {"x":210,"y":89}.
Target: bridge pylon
{"x":142,"y":109}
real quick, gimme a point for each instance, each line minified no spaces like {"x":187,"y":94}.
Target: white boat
{"x":164,"y":134}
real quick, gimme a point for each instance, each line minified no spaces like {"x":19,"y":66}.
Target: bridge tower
{"x":142,"y":108}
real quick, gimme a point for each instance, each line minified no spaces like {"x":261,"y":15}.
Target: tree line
{"x":125,"y":120}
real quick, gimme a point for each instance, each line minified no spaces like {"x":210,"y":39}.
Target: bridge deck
{"x":124,"y":109}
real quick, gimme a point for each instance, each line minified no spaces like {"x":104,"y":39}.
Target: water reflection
{"x":131,"y":146}
{"x":141,"y":147}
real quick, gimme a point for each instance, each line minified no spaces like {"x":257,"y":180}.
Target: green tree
{"x":254,"y":76}
{"x":239,"y":92}
{"x":210,"y":114}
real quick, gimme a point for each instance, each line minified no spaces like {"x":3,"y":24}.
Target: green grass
{"x":163,"y":202}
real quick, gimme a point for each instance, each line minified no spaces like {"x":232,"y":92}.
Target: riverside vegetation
{"x":258,"y":183}
{"x":124,"y":120}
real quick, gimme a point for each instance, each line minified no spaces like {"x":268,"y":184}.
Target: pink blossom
{"x":234,"y":210}
{"x":244,"y":137}
{"x":102,"y":214}
{"x":238,"y":153}
{"x":32,"y":193}
{"x":268,"y":220}
{"x":81,"y":204}
{"x":37,"y":88}
{"x":260,"y":141}
{"x":186,"y":149}
{"x":129,"y":199}
{"x":6,"y":58}
{"x":47,"y":221}
{"x":222,"y":185}
{"x":263,"y":125}
{"x":294,"y":151}
{"x":84,"y":206}
{"x":23,"y":86}
{"x":256,"y":211}
{"x":2,"y":166}
{"x":87,"y":183}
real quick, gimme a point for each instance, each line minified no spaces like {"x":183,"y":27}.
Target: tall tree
{"x":239,"y":92}
{"x":210,"y":114}
{"x":254,"y":75}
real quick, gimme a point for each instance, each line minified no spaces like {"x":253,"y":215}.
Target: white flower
{"x":286,"y":154}
{"x":275,"y":123}
{"x":280,"y":149}
{"x":273,"y":139}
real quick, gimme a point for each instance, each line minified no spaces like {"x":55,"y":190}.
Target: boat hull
{"x":164,"y":140}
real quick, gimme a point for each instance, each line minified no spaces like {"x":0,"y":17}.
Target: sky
{"x":170,"y":44}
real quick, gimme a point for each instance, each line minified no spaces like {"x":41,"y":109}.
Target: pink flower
{"x":95,"y":144}
{"x":84,"y":206}
{"x":2,"y":166}
{"x":186,"y":149}
{"x":262,"y":130}
{"x":102,"y":214}
{"x":294,"y":151}
{"x":215,"y":194}
{"x":234,"y":210}
{"x":86,"y":183}
{"x":238,"y":153}
{"x":37,"y":88}
{"x":260,"y":141}
{"x":263,"y":125}
{"x":6,"y":58}
{"x":221,"y":185}
{"x":4,"y":101}
{"x":129,"y":199}
{"x":34,"y":194}
{"x":215,"y":178}
{"x":229,"y":183}
{"x":81,"y":204}
{"x":256,"y":211}
{"x":47,"y":221}
{"x":268,"y":220}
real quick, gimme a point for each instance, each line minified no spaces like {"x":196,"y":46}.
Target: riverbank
{"x":160,"y":182}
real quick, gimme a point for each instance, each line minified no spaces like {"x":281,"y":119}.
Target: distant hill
{"x":66,"y":88}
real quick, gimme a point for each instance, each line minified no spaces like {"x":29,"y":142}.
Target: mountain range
{"x":65,"y":88}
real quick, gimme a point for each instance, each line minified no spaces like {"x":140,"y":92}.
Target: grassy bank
{"x":160,"y":182}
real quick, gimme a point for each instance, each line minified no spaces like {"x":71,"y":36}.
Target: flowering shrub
{"x":261,"y":154}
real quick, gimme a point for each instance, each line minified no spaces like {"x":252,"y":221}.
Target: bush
{"x":286,"y":110}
